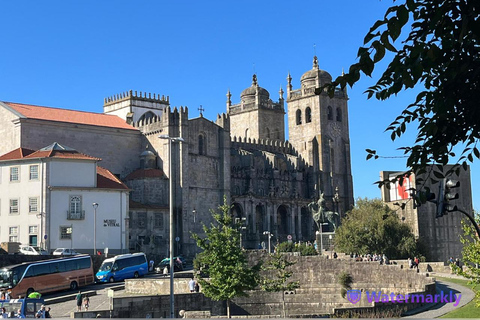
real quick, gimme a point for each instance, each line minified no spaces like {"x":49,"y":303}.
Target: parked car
{"x":65,"y":252}
{"x":31,"y":250}
{"x":178,"y":265}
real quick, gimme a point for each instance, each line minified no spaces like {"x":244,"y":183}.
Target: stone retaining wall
{"x":319,"y":292}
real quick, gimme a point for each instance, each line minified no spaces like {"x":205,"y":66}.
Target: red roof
{"x":107,"y":180}
{"x":70,"y":116}
{"x":16,"y":154}
{"x":145,"y":173}
{"x":53,"y":151}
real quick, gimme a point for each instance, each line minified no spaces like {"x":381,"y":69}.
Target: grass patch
{"x":467,"y":311}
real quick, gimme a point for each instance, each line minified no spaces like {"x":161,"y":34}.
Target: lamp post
{"x":172,"y":230}
{"x":241,"y":221}
{"x":40,"y":216}
{"x":269,"y":234}
{"x":95,"y":206}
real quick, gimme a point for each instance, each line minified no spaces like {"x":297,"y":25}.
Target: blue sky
{"x":73,"y":54}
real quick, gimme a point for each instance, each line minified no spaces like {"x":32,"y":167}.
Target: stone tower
{"x":318,"y":130}
{"x":136,"y":107}
{"x":257,"y":116}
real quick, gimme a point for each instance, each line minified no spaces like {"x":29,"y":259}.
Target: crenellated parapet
{"x":142,"y":96}
{"x":223,"y":120}
{"x":270,"y":145}
{"x":179,"y":116}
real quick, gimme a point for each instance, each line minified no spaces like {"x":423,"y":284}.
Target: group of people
{"x":193,"y":285}
{"x":380,"y":258}
{"x":82,"y":300}
{"x":43,"y":312}
{"x":5,"y":295}
{"x":413,"y":263}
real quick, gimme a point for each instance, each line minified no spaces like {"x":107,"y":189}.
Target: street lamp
{"x":269,"y":234}
{"x":172,"y":230}
{"x":194,"y":214}
{"x":241,"y":221}
{"x":40,"y":216}
{"x":95,"y":206}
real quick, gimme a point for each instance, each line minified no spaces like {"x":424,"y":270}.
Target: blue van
{"x":22,"y":308}
{"x":124,"y":266}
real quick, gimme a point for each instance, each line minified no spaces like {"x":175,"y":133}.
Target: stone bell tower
{"x":257,"y":116}
{"x":318,"y":130}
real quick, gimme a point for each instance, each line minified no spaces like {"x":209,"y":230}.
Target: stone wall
{"x":158,"y":306}
{"x":319,"y":293}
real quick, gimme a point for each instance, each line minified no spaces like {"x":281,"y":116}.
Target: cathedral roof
{"x":252,"y":90}
{"x":315,"y":72}
{"x":69,"y":116}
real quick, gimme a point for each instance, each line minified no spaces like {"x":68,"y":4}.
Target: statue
{"x":321,"y":216}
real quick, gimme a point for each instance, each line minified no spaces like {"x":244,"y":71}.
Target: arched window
{"x":339,"y":114}
{"x":330,"y":113}
{"x":299,"y":116}
{"x":201,"y":145}
{"x":147,"y":116}
{"x":246,"y":134}
{"x":268,"y":133}
{"x":308,"y":115}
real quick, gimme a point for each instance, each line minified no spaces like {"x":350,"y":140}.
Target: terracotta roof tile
{"x":61,"y":154}
{"x":145,"y":173}
{"x":70,"y":116}
{"x":16,"y":154}
{"x":107,"y":180}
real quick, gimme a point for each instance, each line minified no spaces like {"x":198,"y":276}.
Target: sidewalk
{"x":439,"y":309}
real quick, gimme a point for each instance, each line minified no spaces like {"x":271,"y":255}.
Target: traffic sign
{"x":177,"y":239}
{"x":289,"y":237}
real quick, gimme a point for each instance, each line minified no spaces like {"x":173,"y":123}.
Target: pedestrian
{"x":165,"y":271}
{"x":19,"y":314}
{"x":197,"y":287}
{"x":4,"y":313}
{"x":47,"y":313}
{"x":35,"y":295}
{"x":151,"y":264}
{"x":191,"y":285}
{"x":86,"y":302}
{"x":79,"y":299}
{"x":41,"y":312}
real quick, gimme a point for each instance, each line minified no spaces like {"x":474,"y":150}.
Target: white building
{"x":47,"y":199}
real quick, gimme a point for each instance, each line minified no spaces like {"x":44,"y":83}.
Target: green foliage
{"x":440,"y":55}
{"x":276,"y":274}
{"x":345,"y":279}
{"x":372,"y":227}
{"x":471,"y":257}
{"x":303,"y":248}
{"x":225,"y":271}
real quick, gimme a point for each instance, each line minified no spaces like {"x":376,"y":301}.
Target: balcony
{"x":76,"y":215}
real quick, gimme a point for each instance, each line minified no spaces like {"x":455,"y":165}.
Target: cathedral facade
{"x":242,"y":154}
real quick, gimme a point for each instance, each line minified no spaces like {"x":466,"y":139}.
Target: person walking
{"x":79,"y":299}
{"x":191,"y":285}
{"x":86,"y":302}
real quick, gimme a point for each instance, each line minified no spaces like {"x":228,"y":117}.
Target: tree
{"x":470,"y":256}
{"x":226,"y":273}
{"x":276,"y":277}
{"x":439,"y":55}
{"x":372,"y":227}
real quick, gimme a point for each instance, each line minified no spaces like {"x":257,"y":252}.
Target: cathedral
{"x":243,"y":154}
